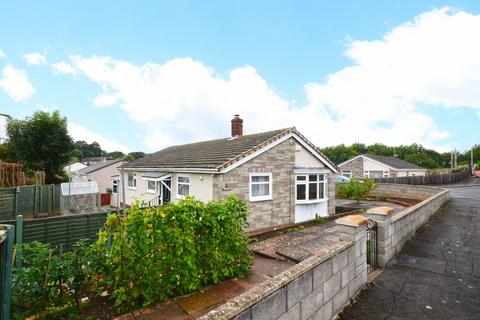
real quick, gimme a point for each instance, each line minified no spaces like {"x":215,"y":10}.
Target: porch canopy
{"x":157,"y":176}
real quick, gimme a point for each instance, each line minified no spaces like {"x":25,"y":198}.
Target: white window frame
{"x":134,"y":187}
{"x":180,"y":196}
{"x":154,"y":190}
{"x":347,"y":174}
{"x":268,"y":197}
{"x":306,"y":182}
{"x":114,"y":184}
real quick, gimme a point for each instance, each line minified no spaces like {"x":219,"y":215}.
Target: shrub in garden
{"x":356,"y":189}
{"x":160,"y":252}
{"x":47,"y":281}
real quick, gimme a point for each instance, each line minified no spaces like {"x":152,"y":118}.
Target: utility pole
{"x":472,"y":168}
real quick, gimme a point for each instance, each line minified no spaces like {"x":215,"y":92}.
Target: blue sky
{"x":142,"y":76}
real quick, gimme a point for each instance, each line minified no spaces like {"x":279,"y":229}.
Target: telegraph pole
{"x":472,"y":168}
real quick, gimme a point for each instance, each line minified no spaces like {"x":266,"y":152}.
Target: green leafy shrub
{"x":171,"y":250}
{"x":46,"y":281}
{"x":148,"y":255}
{"x":382,"y":197}
{"x":356,"y":189}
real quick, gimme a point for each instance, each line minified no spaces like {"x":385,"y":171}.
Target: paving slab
{"x":436,"y":275}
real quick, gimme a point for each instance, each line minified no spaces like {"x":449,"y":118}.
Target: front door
{"x":166,"y":187}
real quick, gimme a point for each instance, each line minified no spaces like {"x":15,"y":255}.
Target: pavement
{"x":437,"y":274}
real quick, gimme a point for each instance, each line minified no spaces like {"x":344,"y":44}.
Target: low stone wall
{"x":405,"y":191}
{"x":393,"y":231}
{"x":316,"y":288}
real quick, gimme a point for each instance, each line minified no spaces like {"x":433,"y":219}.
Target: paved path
{"x":437,"y":274}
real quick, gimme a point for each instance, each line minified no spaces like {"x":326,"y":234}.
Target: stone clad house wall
{"x":356,"y":168}
{"x":279,"y":160}
{"x":280,"y":211}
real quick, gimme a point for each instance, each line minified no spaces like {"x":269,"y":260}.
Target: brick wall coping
{"x":382,"y":211}
{"x":353,"y":220}
{"x":414,"y":208}
{"x":247,"y":299}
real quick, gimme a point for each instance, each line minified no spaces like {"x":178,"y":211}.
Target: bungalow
{"x":99,"y":172}
{"x":371,"y":166}
{"x":284,"y":178}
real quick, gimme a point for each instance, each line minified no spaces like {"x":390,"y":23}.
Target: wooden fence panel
{"x":434,"y":179}
{"x":63,"y":230}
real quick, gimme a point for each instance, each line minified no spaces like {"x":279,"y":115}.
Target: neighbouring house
{"x":73,"y":168}
{"x":100,"y":172}
{"x":284,"y":178}
{"x":92,"y":160}
{"x":371,"y":166}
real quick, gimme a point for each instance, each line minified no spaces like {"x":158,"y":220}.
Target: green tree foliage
{"x":137,"y":154}
{"x":414,"y":153}
{"x":355,"y":189}
{"x":41,"y":142}
{"x":116,"y":154}
{"x":89,"y":149}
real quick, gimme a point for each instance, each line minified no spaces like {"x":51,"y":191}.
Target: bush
{"x":356,"y":189}
{"x":148,"y":255}
{"x":46,"y":281}
{"x":157,"y":253}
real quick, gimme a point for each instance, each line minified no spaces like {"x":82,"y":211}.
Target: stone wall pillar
{"x":383,"y":217}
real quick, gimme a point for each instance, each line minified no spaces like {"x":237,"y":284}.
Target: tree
{"x":137,"y":154}
{"x":116,"y":154}
{"x":356,"y":189}
{"x":41,"y":142}
{"x":89,"y":149}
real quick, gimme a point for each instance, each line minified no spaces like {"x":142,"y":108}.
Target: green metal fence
{"x":30,"y":201}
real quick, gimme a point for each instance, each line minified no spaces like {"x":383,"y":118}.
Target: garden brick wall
{"x":394,"y":231}
{"x":316,"y":288}
{"x":356,"y":167}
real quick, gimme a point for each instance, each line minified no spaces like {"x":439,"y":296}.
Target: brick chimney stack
{"x":237,"y":126}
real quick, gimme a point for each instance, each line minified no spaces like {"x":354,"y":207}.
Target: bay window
{"x":310,"y":187}
{"x":260,"y":186}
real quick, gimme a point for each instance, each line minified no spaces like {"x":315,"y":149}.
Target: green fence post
{"x":53,"y":197}
{"x":15,"y":209}
{"x":19,"y":239}
{"x":7,"y":286}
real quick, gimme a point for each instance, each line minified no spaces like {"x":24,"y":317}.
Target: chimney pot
{"x":237,"y":126}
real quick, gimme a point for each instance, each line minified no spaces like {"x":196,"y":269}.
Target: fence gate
{"x":372,"y":249}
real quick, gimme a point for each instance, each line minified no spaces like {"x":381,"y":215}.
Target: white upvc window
{"x":374,"y":174}
{"x":385,"y":174}
{"x":260,"y":186}
{"x":183,"y":186}
{"x":115,"y":186}
{"x":310,"y":188}
{"x":151,"y":186}
{"x":347,"y":174}
{"x":131,"y":180}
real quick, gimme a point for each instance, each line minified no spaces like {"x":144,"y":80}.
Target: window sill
{"x":260,"y":199}
{"x":311,"y":201}
{"x":131,"y":188}
{"x":150,"y":191}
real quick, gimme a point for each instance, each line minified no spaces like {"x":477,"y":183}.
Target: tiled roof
{"x":212,"y":154}
{"x":393,"y":162}
{"x":97,"y":166}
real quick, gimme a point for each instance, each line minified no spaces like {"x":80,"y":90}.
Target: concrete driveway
{"x":437,"y":274}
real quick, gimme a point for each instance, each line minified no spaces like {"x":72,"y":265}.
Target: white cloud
{"x":35,"y":58}
{"x":2,"y":54}
{"x":431,"y":62}
{"x":79,"y":132}
{"x":15,"y":83}
{"x":63,"y":68}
